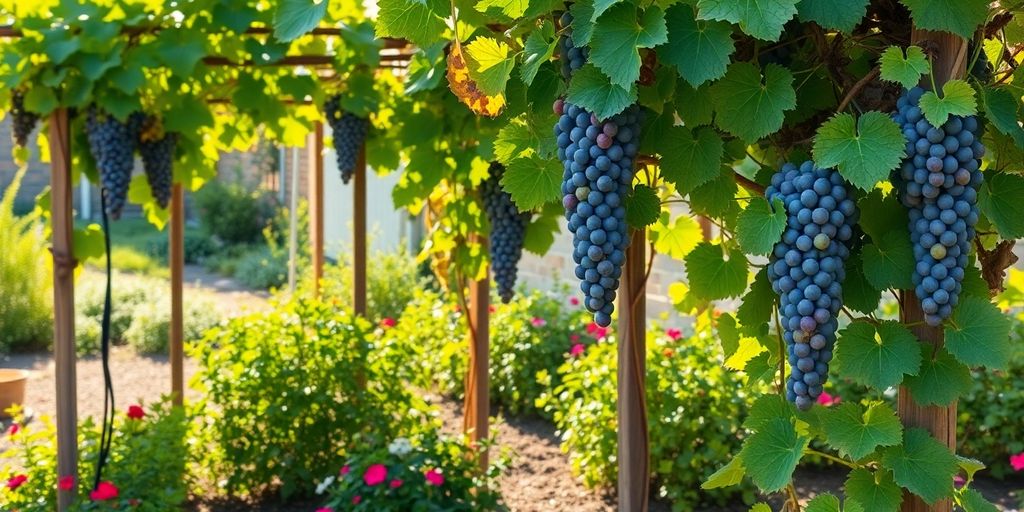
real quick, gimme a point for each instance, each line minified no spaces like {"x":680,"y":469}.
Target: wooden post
{"x":177,"y":262}
{"x":293,"y":224}
{"x":359,"y":234}
{"x":634,"y":471}
{"x":477,"y":403}
{"x":63,"y":302}
{"x":316,"y":203}
{"x":948,"y":62}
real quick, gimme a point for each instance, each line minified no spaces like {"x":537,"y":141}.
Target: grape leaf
{"x":881,"y":213}
{"x":414,"y":20}
{"x":906,"y":71}
{"x":489,"y":65}
{"x":726,"y":476}
{"x":1000,"y":201}
{"x":941,"y":380}
{"x":772,"y":453}
{"x":747,"y":349}
{"x":760,"y":225}
{"x":978,"y":334}
{"x":692,"y":105}
{"x":88,"y":242}
{"x":842,"y":15}
{"x":591,"y":90}
{"x":511,"y":8}
{"x":294,"y":18}
{"x":876,"y":491}
{"x":713,"y":274}
{"x":829,"y":503}
{"x":877,"y":357}
{"x":540,"y":234}
{"x":889,"y":263}
{"x":179,"y":51}
{"x":716,"y":197}
{"x":690,"y":158}
{"x":762,"y":19}
{"x":856,"y":432}
{"x":960,"y":17}
{"x":532,"y":181}
{"x":864,"y":150}
{"x":972,"y":501}
{"x":858,"y":294}
{"x":700,"y":50}
{"x":675,"y":238}
{"x":514,"y":140}
{"x":767,"y":408}
{"x":642,"y":207}
{"x":539,"y":47}
{"x":748,"y":107}
{"x":582,"y":22}
{"x":757,"y":305}
{"x":1001,"y":110}
{"x":957,"y":99}
{"x":617,"y":39}
{"x":922,"y":465}
{"x":760,"y":507}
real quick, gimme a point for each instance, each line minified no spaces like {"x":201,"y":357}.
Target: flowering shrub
{"x":145,"y":471}
{"x":426,"y":473}
{"x":287,"y":392}
{"x":695,"y":408}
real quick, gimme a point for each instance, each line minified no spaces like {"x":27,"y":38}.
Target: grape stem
{"x":782,"y":351}
{"x":833,"y":458}
{"x":861,"y":84}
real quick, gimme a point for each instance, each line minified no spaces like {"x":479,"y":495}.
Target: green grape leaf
{"x":856,"y":432}
{"x":540,"y":234}
{"x":842,"y":15}
{"x":728,"y":334}
{"x":749,"y":107}
{"x":960,"y":17}
{"x":858,"y":294}
{"x":957,"y":99}
{"x":757,"y":305}
{"x":726,"y":476}
{"x":294,"y":18}
{"x":876,"y":491}
{"x":582,"y":22}
{"x":591,"y":90}
{"x":829,"y":503}
{"x":863,"y":150}
{"x":922,"y":465}
{"x":904,"y":70}
{"x":511,"y":8}
{"x":881,"y":213}
{"x":600,"y":6}
{"x":941,"y":380}
{"x":642,"y":207}
{"x":414,"y":20}
{"x":772,"y":453}
{"x":889,"y":262}
{"x":762,"y":19}
{"x":877,"y":357}
{"x":532,"y":181}
{"x":970,"y":466}
{"x":675,"y":238}
{"x":978,"y":334}
{"x":761,"y":369}
{"x":489,"y":64}
{"x":972,"y":501}
{"x":692,"y":105}
{"x":973,"y":284}
{"x":1000,"y":201}
{"x":760,"y":507}
{"x":539,"y":47}
{"x":700,"y":50}
{"x":1001,"y":109}
{"x":41,"y":100}
{"x":87,"y":242}
{"x":514,"y":140}
{"x":760,"y":225}
{"x":713,"y":274}
{"x":716,"y":198}
{"x":690,"y":158}
{"x":619,"y":35}
{"x":179,"y":51}
{"x":767,"y":408}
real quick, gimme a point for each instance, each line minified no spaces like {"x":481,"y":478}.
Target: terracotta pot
{"x":12,"y":388}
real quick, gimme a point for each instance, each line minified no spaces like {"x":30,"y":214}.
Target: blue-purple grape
{"x":157,"y":150}
{"x":23,"y":121}
{"x":112,"y":143}
{"x":508,"y":228}
{"x":348,"y":133}
{"x":571,"y":56}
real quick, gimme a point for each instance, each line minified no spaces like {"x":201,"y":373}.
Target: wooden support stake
{"x":948,"y":62}
{"x":477,"y":403}
{"x":634,"y":470}
{"x":63,"y":302}
{"x":359,"y":234}
{"x":316,"y":203}
{"x":177,"y":261}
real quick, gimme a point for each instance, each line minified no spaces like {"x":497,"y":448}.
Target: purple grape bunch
{"x":348,"y":133}
{"x":508,"y":228}
{"x":23,"y":120}
{"x":112,"y":143}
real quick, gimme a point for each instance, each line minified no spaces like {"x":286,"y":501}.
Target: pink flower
{"x":1017,"y":461}
{"x":344,"y":470}
{"x":13,"y":429}
{"x":674,"y":334}
{"x":574,"y":300}
{"x":577,"y":350}
{"x":104,"y":491}
{"x":826,"y":399}
{"x":388,"y":322}
{"x":396,"y":483}
{"x":136,"y":412}
{"x":958,"y":481}
{"x":597,"y":331}
{"x":538,"y":322}
{"x":15,"y":481}
{"x":375,"y":474}
{"x":356,"y":499}
{"x":575,"y":338}
{"x":66,"y":483}
{"x":325,"y":509}
{"x":434,"y":477}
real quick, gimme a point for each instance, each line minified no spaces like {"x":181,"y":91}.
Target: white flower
{"x":324,"y":485}
{"x":400,"y":447}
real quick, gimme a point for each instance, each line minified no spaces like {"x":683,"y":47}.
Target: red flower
{"x":344,"y":470}
{"x":356,"y":499}
{"x":574,"y":338}
{"x":827,"y":400}
{"x":66,"y":483}
{"x":13,"y":429}
{"x":104,"y":491}
{"x":396,"y":483}
{"x":136,"y":412}
{"x":597,"y":331}
{"x":538,"y":321}
{"x":1017,"y":461}
{"x":674,"y":334}
{"x":434,"y":477}
{"x":15,"y":481}
{"x":574,"y":300}
{"x":325,"y":509}
{"x":388,"y":322}
{"x":491,"y":308}
{"x":577,"y":350}
{"x":375,"y":474}
{"x":668,"y":352}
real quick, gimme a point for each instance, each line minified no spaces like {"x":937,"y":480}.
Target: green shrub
{"x":150,"y":332}
{"x":392,"y":278}
{"x":232,"y":213}
{"x":262,"y":268}
{"x":146,"y":465}
{"x":286,"y":393}
{"x":694,"y":405}
{"x":26,"y":293}
{"x":197,"y":247}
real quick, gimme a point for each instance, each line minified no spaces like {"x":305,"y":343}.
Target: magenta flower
{"x":575,"y":338}
{"x":16,"y":481}
{"x":674,"y":334}
{"x":375,"y":474}
{"x":538,"y":322}
{"x":396,"y":483}
{"x":828,"y":400}
{"x":1017,"y":461}
{"x":597,"y":331}
{"x":577,"y":350}
{"x":356,"y":499}
{"x":958,"y":481}
{"x":66,"y":483}
{"x":574,"y":300}
{"x":434,"y":477}
{"x":388,"y":322}
{"x":344,"y":470}
{"x":325,"y":509}
{"x":14,"y":428}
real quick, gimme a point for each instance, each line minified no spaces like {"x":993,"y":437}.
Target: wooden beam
{"x":315,"y":146}
{"x":63,"y":301}
{"x":949,"y":61}
{"x":177,"y":263}
{"x":359,"y":234}
{"x":634,"y":464}
{"x":476,"y":403}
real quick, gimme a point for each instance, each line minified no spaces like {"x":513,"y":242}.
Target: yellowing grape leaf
{"x":466,"y":89}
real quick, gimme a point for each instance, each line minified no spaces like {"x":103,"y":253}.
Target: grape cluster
{"x":157,"y":150}
{"x":807,"y":270}
{"x":508,"y":227}
{"x":572,"y":57}
{"x":938,"y":184}
{"x":24,"y":121}
{"x":982,"y":69}
{"x":349,"y":132}
{"x":112,"y":144}
{"x":597,"y":157}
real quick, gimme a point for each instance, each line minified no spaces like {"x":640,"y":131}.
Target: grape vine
{"x":112,"y":143}
{"x":348,"y":132}
{"x":508,"y":227}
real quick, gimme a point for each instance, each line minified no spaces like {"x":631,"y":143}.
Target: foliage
{"x":150,"y":329}
{"x":328,"y":391}
{"x":425,"y":473}
{"x":25,"y":297}
{"x":231,"y":213}
{"x":690,"y":395}
{"x":146,"y":464}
